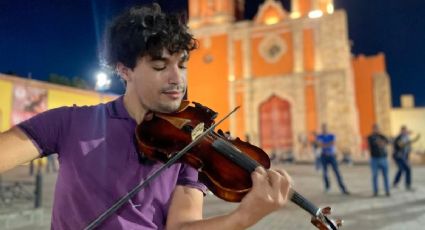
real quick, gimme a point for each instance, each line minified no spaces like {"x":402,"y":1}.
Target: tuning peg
{"x":338,"y":222}
{"x":326,"y":211}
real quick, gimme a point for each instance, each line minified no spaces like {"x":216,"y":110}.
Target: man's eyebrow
{"x":158,"y":58}
{"x":184,"y":57}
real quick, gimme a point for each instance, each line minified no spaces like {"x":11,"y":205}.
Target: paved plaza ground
{"x":403,"y":210}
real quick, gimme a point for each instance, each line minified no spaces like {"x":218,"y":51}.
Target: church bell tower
{"x":214,"y":12}
{"x":311,"y":8}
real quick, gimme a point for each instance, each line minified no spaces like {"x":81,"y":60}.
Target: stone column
{"x":382,"y":98}
{"x":297,"y":36}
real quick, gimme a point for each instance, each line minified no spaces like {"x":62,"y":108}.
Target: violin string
{"x":250,"y":165}
{"x":241,"y":159}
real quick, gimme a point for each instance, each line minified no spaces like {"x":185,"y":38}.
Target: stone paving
{"x":403,"y":210}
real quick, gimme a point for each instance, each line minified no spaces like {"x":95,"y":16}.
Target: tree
{"x":59,"y":79}
{"x":76,"y":81}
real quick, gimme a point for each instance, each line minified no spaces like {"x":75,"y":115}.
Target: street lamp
{"x":315,"y":14}
{"x":103,"y":82}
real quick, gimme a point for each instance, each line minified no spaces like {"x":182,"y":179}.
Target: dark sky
{"x":40,"y":37}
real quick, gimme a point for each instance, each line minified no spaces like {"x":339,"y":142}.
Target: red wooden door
{"x":276,"y":124}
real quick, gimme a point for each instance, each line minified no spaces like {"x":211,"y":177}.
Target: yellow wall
{"x":414,"y":119}
{"x":5,"y":104}
{"x":57,"y":96}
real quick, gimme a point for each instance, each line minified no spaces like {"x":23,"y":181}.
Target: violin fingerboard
{"x":234,"y":154}
{"x":305,"y":204}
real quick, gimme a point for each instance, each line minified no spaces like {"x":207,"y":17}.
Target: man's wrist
{"x":239,"y":219}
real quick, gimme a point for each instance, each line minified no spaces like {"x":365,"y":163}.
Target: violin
{"x":224,"y":165}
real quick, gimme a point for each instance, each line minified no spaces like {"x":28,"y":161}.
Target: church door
{"x":276,"y":125}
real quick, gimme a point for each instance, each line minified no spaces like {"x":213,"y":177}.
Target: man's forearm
{"x":234,"y":221}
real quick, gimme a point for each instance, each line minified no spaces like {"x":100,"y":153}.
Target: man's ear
{"x":124,"y":71}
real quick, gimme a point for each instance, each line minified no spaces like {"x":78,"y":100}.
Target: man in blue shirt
{"x":328,"y":157}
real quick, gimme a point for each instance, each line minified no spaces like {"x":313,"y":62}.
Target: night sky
{"x":40,"y":37}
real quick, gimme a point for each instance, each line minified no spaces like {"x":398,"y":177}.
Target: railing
{"x":18,"y":192}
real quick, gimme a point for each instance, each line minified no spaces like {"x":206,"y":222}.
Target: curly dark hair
{"x":145,"y":30}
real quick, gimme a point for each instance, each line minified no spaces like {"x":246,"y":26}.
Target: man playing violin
{"x":402,"y":149}
{"x":99,"y":161}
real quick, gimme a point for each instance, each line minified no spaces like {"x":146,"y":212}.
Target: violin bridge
{"x":198,"y":130}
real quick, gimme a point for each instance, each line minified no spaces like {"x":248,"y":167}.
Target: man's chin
{"x":169,"y":107}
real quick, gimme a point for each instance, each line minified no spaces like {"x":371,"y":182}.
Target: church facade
{"x":290,"y":70}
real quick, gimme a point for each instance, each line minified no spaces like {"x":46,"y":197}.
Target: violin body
{"x":225,"y":165}
{"x":160,"y":138}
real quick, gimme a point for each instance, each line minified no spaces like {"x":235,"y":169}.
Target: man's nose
{"x":175,"y":76}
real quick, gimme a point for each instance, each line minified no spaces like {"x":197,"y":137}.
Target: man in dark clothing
{"x":378,"y":158}
{"x":402,"y":148}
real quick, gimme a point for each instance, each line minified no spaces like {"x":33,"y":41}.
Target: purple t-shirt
{"x":99,"y":163}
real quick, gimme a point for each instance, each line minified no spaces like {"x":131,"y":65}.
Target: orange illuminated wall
{"x":323,"y":5}
{"x":364,"y":68}
{"x":208,"y":76}
{"x":304,"y":7}
{"x":262,"y":68}
{"x":310,"y":95}
{"x":308,"y":52}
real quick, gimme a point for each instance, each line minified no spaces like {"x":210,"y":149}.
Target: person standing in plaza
{"x":326,"y":141}
{"x":402,"y":149}
{"x":377,"y":143}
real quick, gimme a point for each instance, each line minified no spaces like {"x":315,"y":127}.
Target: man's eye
{"x":182,"y":66}
{"x":158,"y":68}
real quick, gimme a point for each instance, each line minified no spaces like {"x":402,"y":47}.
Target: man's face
{"x":375,"y":128}
{"x":160,"y":82}
{"x":324,"y":128}
{"x":404,"y":131}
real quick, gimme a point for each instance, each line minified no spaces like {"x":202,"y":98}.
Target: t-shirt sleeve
{"x":47,"y":129}
{"x":188,"y":176}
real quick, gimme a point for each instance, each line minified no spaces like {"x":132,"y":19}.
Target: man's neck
{"x":134,"y":107}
